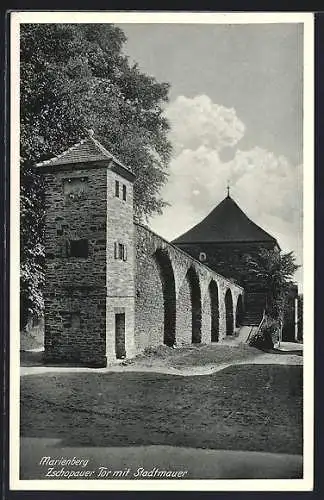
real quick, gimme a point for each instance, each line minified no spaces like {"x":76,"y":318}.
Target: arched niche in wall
{"x":169,"y":295}
{"x":239,"y":312}
{"x":195,"y":295}
{"x":214,"y":311}
{"x":229,"y":312}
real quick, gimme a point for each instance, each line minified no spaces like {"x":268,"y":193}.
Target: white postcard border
{"x":305,"y":484}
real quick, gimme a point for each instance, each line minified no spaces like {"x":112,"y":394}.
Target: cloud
{"x":199,"y":122}
{"x":267,"y":187}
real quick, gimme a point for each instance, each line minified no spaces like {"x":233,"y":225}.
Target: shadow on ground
{"x":247,"y":407}
{"x":297,"y":352}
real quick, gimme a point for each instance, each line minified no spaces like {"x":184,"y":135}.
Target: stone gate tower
{"x":222,"y":240}
{"x":89,"y":253}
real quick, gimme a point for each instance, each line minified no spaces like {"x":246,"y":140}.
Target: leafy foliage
{"x":268,"y":334}
{"x":75,"y":77}
{"x":275,"y":271}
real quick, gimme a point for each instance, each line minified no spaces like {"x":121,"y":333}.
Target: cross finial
{"x":228,"y":189}
{"x":90,"y":132}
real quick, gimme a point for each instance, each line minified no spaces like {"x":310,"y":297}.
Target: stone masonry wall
{"x":75,"y":288}
{"x":149,"y":289}
{"x":184,"y":314}
{"x":149,"y":316}
{"x":75,"y":327}
{"x":206,"y":320}
{"x":226,"y":259}
{"x":229,"y":261}
{"x":81,"y":217}
{"x":158,"y":287}
{"x":84,"y":293}
{"x":120,"y":272}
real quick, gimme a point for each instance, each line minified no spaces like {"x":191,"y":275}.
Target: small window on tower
{"x":125,"y":253}
{"x":78,"y":248}
{"x":202,"y":257}
{"x":124,"y":192}
{"x":120,"y":251}
{"x":117,"y":189}
{"x":70,"y":320}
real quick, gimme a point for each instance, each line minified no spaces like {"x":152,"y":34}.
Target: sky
{"x":236,"y":116}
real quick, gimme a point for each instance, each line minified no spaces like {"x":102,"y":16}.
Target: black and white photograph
{"x":161,"y":325}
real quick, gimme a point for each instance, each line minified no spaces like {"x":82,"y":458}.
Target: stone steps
{"x":251,"y":319}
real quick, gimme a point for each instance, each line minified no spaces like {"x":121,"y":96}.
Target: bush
{"x":267,"y":336}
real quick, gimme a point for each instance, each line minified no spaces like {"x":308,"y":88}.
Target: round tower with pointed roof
{"x":226,"y":224}
{"x":223,"y":239}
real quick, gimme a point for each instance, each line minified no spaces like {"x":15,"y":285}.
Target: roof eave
{"x":112,"y":164}
{"x":224,"y":242}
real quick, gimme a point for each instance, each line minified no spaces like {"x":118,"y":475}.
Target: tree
{"x":275,"y":271}
{"x":75,"y":77}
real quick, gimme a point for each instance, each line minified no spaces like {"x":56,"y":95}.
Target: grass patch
{"x":196,"y":355}
{"x":250,"y":407}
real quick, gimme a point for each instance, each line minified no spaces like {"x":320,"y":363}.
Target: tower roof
{"x":88,"y":150}
{"x":226,"y":223}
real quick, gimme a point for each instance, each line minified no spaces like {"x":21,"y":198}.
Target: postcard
{"x":161,"y":312}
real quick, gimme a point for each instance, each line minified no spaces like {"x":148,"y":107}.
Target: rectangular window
{"x":70,"y":320}
{"x":78,"y":248}
{"x":120,"y":251}
{"x":117,"y":189}
{"x":124,"y":192}
{"x":124,"y":253}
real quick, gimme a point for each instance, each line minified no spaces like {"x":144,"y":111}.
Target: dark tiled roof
{"x":226,"y":223}
{"x":85,"y":151}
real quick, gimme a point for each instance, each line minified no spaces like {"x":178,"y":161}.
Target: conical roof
{"x":226,"y":223}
